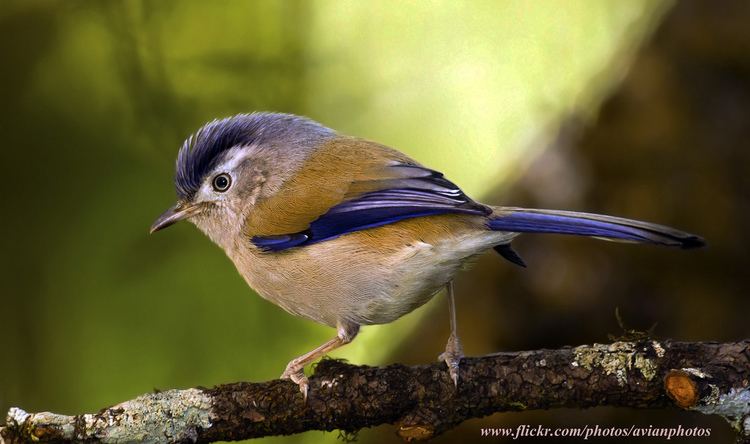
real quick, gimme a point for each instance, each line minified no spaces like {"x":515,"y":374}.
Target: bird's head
{"x":229,"y":164}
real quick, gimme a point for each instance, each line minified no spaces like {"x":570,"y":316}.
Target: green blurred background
{"x":636,"y":108}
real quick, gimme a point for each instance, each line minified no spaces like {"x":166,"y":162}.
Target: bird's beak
{"x":175,"y":214}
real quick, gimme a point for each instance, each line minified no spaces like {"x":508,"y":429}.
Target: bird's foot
{"x":452,"y":356}
{"x":296,"y":373}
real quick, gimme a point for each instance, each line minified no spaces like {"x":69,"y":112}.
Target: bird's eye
{"x":222,"y":182}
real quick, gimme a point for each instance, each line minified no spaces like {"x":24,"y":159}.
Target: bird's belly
{"x":413,"y":281}
{"x":358,"y":279}
{"x":362,"y":289}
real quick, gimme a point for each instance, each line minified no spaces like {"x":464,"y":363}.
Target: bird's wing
{"x":386,"y":188}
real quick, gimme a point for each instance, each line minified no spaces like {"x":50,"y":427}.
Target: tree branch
{"x":421,"y":400}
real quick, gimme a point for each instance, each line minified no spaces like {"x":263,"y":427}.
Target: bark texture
{"x":422,"y":401}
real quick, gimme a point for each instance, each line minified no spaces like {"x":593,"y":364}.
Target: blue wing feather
{"x":280,"y":242}
{"x":414,"y":192}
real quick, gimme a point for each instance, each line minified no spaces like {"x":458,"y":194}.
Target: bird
{"x":348,"y":232}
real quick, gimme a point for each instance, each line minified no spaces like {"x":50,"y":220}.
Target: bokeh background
{"x":636,"y":108}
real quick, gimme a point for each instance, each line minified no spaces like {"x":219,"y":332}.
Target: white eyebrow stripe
{"x":234,"y":156}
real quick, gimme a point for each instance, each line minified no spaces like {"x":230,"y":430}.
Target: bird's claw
{"x":452,"y":357}
{"x":296,"y":374}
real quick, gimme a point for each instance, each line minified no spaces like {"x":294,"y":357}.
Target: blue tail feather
{"x":523,"y":220}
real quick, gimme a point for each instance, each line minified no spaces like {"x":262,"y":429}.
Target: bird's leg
{"x":453,"y":350}
{"x":295,"y":370}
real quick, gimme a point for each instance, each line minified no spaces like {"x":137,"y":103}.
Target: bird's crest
{"x":202,"y":151}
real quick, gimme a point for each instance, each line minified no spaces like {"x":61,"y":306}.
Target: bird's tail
{"x":525,"y":220}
